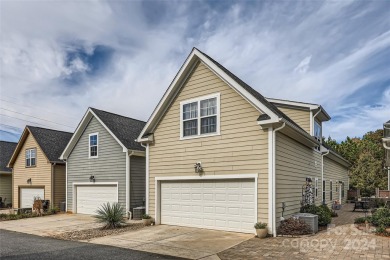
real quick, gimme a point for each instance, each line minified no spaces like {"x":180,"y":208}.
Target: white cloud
{"x":308,"y":51}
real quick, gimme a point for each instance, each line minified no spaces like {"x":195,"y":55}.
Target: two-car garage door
{"x":90,"y":197}
{"x":215,"y":204}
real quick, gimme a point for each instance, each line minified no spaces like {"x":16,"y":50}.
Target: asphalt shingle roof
{"x":254,"y":93}
{"x":6,"y":151}
{"x":126,"y":129}
{"x":52,"y":142}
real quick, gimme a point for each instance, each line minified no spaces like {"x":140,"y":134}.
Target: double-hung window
{"x":200,"y":117}
{"x":31,"y":157}
{"x":316,"y":187}
{"x":93,"y":145}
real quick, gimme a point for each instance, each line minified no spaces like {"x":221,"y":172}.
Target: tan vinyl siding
{"x":110,"y":166}
{"x":242,"y":147}
{"x":299,"y":116}
{"x":294,"y":162}
{"x":335,"y":172}
{"x":40,"y":174}
{"x":59,"y":184}
{"x":6,"y":187}
{"x":137,"y":181}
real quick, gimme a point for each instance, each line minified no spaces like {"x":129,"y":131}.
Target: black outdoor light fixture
{"x":29,"y":181}
{"x":92,"y":178}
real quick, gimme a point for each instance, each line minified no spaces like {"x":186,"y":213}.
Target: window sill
{"x":93,"y":157}
{"x":199,"y":136}
{"x":33,"y":166}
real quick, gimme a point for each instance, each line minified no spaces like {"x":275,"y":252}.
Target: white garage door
{"x":90,"y":198}
{"x":27,"y":196}
{"x":215,"y":204}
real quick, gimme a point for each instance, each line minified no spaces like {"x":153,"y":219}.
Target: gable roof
{"x":322,"y":115}
{"x":123,"y":129}
{"x":272,"y":113}
{"x":52,"y":142}
{"x":6,"y":151}
{"x":126,"y":129}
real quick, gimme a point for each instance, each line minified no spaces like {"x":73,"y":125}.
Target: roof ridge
{"x":48,"y":129}
{"x":117,"y":114}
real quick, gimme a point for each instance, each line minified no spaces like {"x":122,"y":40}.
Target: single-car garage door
{"x":215,"y":204}
{"x":27,"y":196}
{"x":90,"y":198}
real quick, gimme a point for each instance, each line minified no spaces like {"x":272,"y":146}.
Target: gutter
{"x":322,"y":174}
{"x":273,"y":178}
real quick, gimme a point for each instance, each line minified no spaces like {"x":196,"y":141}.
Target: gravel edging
{"x":96,"y":232}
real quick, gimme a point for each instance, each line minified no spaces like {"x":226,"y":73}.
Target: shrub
{"x":146,"y":216}
{"x":381,"y":218}
{"x":323,"y":212}
{"x":260,"y":225}
{"x":111,"y":215}
{"x":294,"y":227}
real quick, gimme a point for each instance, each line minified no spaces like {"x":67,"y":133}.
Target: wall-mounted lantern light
{"x":92,"y":178}
{"x":198,"y":168}
{"x":29,"y":181}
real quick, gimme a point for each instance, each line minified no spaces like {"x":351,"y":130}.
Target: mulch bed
{"x":97,"y":232}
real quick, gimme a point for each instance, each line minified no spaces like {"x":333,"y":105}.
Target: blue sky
{"x":57,"y":58}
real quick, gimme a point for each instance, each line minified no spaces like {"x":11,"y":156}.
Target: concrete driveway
{"x":192,"y":243}
{"x":50,"y":225}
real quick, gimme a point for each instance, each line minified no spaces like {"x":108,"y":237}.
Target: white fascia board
{"x":190,"y":60}
{"x":188,"y":65}
{"x":108,"y":130}
{"x":293,"y":103}
{"x":76,"y":135}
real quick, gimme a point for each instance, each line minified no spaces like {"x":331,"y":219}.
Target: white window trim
{"x":323,"y":195}
{"x":35,"y":157}
{"x":89,"y":145}
{"x":331,"y":191}
{"x":198,"y":99}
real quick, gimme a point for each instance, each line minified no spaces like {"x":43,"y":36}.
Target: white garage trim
{"x":27,"y":195}
{"x":158,"y":180}
{"x":75,"y":184}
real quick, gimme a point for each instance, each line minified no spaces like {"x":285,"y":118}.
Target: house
{"x":36,"y":169}
{"x":221,"y":156}
{"x":6,"y":150}
{"x":104,"y":163}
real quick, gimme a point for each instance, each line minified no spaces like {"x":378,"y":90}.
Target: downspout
{"x":147,"y":179}
{"x":274,"y":178}
{"x":322,"y":175}
{"x":66,"y":185}
{"x":313,"y":120}
{"x":128,"y":184}
{"x":52,"y":185}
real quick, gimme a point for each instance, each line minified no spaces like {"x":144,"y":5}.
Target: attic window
{"x":31,"y":157}
{"x":200,"y":117}
{"x":93,"y":145}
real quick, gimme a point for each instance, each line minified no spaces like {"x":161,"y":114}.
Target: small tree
{"x":111,"y":215}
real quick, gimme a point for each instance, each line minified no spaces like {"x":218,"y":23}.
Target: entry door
{"x":90,"y":198}
{"x":27,"y":196}
{"x":228,"y":205}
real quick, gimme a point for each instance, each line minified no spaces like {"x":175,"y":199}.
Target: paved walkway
{"x":343,"y":241}
{"x":50,"y":225}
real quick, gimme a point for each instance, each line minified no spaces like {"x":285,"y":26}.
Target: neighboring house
{"x":221,"y":156}
{"x":6,"y":150}
{"x":105,"y":163}
{"x":36,"y":169}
